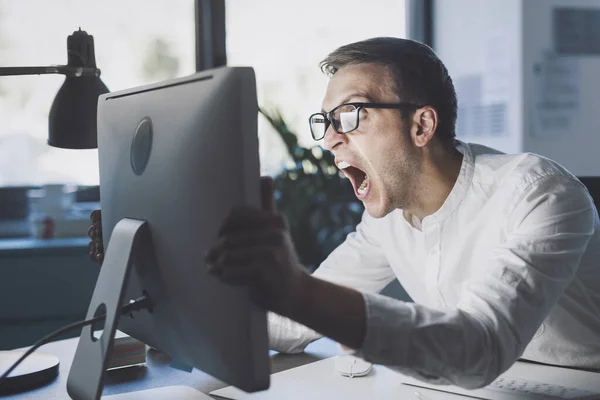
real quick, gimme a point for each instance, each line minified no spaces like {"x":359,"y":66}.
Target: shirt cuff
{"x":287,"y":336}
{"x":384,"y":315}
{"x":389,"y":338}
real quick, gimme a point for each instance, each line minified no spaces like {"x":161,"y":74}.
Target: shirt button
{"x":433,"y":251}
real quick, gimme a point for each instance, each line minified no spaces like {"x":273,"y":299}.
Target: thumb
{"x":267,"y":197}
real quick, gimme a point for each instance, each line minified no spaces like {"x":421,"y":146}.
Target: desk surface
{"x":158,"y":373}
{"x":31,"y":246}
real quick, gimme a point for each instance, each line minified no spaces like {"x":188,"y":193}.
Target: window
{"x":136,"y":42}
{"x":139,"y":42}
{"x":284,"y":42}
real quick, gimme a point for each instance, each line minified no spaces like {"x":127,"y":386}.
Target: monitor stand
{"x":129,"y":238}
{"x":130,"y":243}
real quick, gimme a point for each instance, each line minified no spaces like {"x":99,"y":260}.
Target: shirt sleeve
{"x":497,"y":315}
{"x":358,"y":263}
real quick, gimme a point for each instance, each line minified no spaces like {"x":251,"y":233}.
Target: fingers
{"x":243,"y":249}
{"x":96,"y":215}
{"x":245,"y":257}
{"x":96,"y":256}
{"x":241,"y":265}
{"x":98,"y":229}
{"x":250,"y":241}
{"x":249,"y":273}
{"x":236,"y":240}
{"x":95,"y":230}
{"x":251,"y":219}
{"x":267,"y":194}
{"x":96,"y":250}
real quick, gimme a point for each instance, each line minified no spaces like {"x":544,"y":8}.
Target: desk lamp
{"x":72,"y":120}
{"x":71,"y":125}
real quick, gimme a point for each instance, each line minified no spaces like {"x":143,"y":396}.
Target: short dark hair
{"x":419,"y":75}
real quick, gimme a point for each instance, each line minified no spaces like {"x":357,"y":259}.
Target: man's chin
{"x":376,"y":210}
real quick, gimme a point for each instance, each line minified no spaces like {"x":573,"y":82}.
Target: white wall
{"x":498,"y":43}
{"x":479,"y":40}
{"x":578,"y":147}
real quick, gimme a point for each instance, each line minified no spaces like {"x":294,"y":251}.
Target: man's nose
{"x":332,"y":139}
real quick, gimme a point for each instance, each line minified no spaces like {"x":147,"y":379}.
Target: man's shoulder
{"x":518,"y":170}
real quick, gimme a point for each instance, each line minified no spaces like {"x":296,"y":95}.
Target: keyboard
{"x":522,"y":386}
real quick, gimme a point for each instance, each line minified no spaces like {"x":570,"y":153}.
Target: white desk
{"x":315,"y":378}
{"x":320,"y":380}
{"x":157,"y":372}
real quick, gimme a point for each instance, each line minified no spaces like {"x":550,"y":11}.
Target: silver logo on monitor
{"x":141,"y":146}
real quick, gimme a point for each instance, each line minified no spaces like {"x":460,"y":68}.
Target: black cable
{"x":142,"y":302}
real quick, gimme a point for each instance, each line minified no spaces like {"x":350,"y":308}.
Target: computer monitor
{"x":176,"y":157}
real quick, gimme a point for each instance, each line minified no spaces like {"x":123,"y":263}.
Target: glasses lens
{"x":317,"y":126}
{"x":345,"y":118}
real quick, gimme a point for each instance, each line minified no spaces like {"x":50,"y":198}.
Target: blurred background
{"x":525,"y":71}
{"x":139,"y":42}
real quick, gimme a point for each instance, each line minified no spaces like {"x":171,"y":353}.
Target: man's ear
{"x":424,"y":125}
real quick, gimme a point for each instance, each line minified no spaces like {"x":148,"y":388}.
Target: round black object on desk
{"x":38,"y":369}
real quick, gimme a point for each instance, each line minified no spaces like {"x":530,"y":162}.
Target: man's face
{"x":381,"y":157}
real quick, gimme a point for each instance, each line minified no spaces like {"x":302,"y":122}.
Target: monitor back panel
{"x":203,"y":161}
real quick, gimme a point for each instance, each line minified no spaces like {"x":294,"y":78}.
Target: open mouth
{"x":359,"y":178}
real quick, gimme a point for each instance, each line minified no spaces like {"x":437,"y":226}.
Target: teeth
{"x":363,"y":186}
{"x":343,"y":165}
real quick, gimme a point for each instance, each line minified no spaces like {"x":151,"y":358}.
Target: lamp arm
{"x":52,"y":69}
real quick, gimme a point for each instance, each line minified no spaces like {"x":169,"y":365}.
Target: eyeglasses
{"x":344,"y":118}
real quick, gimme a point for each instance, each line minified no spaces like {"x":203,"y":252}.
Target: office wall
{"x":577,"y":147}
{"x":502,"y":52}
{"x":479,"y":42}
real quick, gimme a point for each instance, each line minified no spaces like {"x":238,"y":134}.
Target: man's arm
{"x":255,"y":249}
{"x":501,"y":309}
{"x":358,"y":263}
{"x":497,"y":315}
{"x":335,"y":311}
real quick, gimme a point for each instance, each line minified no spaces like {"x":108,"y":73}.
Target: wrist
{"x":300,"y":296}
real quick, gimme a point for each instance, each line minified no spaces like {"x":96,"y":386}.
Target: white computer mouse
{"x":352,"y":366}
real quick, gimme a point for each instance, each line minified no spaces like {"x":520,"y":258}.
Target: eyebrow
{"x":352,"y":95}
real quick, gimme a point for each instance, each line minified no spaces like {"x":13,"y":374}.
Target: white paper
{"x":483,"y":98}
{"x":556,"y":93}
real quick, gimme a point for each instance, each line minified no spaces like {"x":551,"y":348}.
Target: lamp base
{"x":35,"y":371}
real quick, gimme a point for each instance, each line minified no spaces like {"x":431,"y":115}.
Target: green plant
{"x":317,"y":200}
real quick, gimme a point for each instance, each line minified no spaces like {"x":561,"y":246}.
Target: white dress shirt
{"x":507,"y":268}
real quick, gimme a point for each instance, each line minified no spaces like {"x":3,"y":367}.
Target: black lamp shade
{"x":72,"y":122}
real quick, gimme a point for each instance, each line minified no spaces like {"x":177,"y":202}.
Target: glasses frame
{"x":359,"y":106}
